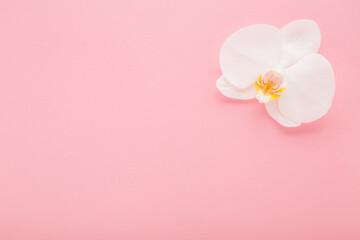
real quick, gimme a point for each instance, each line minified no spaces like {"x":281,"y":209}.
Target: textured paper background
{"x":111,"y":126}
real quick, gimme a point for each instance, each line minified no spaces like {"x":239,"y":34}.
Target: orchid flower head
{"x":281,"y":69}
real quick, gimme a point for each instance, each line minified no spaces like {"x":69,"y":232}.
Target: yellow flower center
{"x":269,"y":87}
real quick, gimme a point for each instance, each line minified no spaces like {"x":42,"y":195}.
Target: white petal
{"x":300,"y":38}
{"x":272,"y":108}
{"x":310,"y":89}
{"x":233,"y":92}
{"x":249,"y":52}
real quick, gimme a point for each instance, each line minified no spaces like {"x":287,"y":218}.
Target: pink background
{"x":111,"y":126}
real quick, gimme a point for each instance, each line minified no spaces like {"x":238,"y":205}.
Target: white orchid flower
{"x":281,"y":68}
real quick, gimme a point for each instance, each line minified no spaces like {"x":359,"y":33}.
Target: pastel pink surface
{"x":112,"y":128}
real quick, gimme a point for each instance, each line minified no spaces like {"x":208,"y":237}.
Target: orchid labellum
{"x":280,"y":68}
